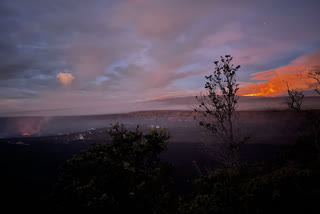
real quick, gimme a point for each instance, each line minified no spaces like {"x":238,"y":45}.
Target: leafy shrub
{"x":125,"y":175}
{"x":251,"y":190}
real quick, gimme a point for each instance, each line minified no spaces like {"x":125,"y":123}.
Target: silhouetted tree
{"x":294,"y":102}
{"x":294,"y":99}
{"x":315,"y":74}
{"x":217,"y":105}
{"x":314,"y":116}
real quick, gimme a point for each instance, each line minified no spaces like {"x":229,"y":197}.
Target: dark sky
{"x":72,"y":54}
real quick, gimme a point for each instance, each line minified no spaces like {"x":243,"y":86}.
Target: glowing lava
{"x":251,"y":95}
{"x":26,"y":134}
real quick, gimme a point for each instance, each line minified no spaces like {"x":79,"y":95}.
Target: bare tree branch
{"x":294,"y":99}
{"x":315,"y":74}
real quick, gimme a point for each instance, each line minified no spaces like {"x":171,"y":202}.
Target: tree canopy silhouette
{"x":216,"y":106}
{"x":123,"y":176}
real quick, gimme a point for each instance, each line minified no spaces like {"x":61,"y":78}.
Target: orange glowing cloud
{"x":296,"y":74}
{"x":65,"y":78}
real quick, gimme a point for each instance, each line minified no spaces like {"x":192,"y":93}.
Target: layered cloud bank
{"x":77,"y":53}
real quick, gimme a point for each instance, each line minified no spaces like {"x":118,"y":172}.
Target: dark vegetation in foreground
{"x":29,"y":171}
{"x":128,"y":176}
{"x":289,"y":181}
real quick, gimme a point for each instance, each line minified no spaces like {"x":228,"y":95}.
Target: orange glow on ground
{"x":26,"y":134}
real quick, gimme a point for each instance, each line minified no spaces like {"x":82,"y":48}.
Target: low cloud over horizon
{"x":107,"y":54}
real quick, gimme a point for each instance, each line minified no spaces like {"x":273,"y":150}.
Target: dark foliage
{"x":255,"y":189}
{"x":124,"y":176}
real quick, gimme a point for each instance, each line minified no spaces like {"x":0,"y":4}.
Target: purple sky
{"x":72,"y":54}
